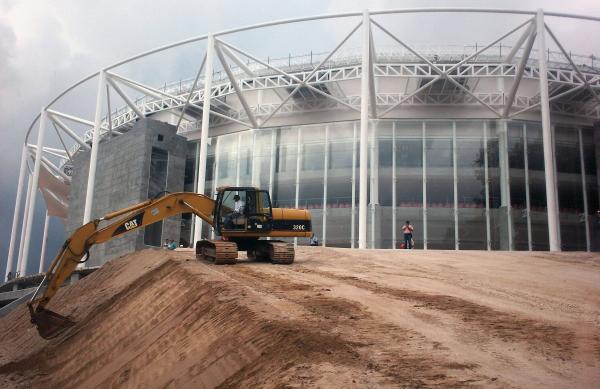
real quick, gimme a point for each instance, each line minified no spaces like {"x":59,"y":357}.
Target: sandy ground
{"x":335,"y":318}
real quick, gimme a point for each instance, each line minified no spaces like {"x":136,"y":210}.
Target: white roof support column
{"x":23,"y":226}
{"x":44,"y":242}
{"x":549,"y":175}
{"x":15,"y":223}
{"x":89,"y":194}
{"x":208,"y":74}
{"x":33,"y":192}
{"x":364,"y":129}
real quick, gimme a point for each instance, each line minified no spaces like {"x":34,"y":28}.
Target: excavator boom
{"x":75,"y":250}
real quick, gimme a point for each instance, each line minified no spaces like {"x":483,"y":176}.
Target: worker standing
{"x":408,"y":229}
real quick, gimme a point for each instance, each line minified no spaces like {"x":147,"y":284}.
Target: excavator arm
{"x":76,"y":248}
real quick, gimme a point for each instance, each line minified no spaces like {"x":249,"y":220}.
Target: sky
{"x":45,"y":46}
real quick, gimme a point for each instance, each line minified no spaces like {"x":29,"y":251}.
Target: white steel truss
{"x":559,"y":83}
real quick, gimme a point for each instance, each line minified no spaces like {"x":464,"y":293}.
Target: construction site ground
{"x":335,"y":318}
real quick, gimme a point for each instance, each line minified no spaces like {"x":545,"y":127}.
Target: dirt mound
{"x":336,"y":318}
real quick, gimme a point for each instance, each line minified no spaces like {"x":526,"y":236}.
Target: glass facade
{"x":463,"y":184}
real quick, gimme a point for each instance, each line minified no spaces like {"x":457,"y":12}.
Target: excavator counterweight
{"x":240,"y":215}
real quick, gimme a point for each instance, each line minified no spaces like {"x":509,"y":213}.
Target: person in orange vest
{"x":408,"y":229}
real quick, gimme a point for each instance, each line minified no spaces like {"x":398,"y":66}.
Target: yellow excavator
{"x":240,"y":215}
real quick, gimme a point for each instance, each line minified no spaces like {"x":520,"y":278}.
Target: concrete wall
{"x":122,"y":180}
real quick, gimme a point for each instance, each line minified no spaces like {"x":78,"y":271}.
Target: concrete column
{"x":89,"y":194}
{"x":33,"y":193}
{"x":208,"y":74}
{"x":549,"y":174}
{"x":44,"y":242}
{"x":15,"y":223}
{"x":364,"y":129}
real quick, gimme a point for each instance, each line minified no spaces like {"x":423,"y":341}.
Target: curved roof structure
{"x":251,"y":92}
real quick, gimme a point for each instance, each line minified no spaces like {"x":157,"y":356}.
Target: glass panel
{"x":440,"y":185}
{"x":498,"y":217}
{"x":284,"y":182}
{"x":589,"y":156}
{"x":339,"y":184}
{"x":262,"y":158}
{"x":409,"y":180}
{"x":471,"y":185}
{"x":518,"y":193}
{"x":245,"y":158}
{"x":570,"y":193}
{"x":537,"y":187}
{"x":312,"y":164}
{"x":157,"y":183}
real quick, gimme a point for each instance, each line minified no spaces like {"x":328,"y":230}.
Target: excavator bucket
{"x":50,"y":324}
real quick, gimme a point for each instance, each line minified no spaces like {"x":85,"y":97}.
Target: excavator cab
{"x":243,"y":209}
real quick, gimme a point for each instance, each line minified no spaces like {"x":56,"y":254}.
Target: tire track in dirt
{"x":385,"y":348}
{"x":544,"y":338}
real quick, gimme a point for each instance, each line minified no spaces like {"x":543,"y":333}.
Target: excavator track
{"x":277,"y":252}
{"x":218,"y":251}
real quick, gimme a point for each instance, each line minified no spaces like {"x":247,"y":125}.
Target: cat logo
{"x":130,"y":225}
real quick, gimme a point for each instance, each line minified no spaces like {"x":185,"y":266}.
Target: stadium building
{"x":492,"y":146}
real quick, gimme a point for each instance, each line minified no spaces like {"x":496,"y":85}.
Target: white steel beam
{"x":555,"y":97}
{"x":32,"y":194}
{"x":44,"y":243}
{"x":62,"y":142}
{"x":549,"y":174}
{"x":189,"y":97}
{"x":300,"y":82}
{"x":519,"y":73}
{"x":208,"y":74}
{"x":236,"y":87}
{"x":405,"y":98}
{"x":575,"y":68}
{"x":68,"y":131}
{"x":26,"y":211}
{"x":372,"y":91}
{"x":15,"y":223}
{"x":528,"y":31}
{"x":89,"y":194}
{"x":124,"y":96}
{"x":108,"y":111}
{"x":72,"y":118}
{"x":364,"y":130}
